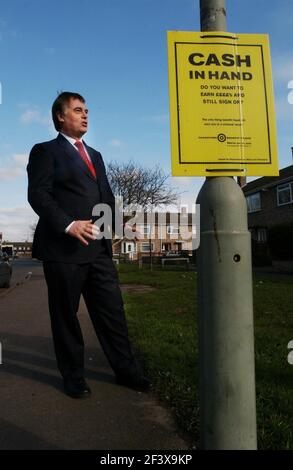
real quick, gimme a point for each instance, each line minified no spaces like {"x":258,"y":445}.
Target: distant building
{"x":167,"y":232}
{"x":20,"y":249}
{"x":269,"y":202}
{"x":164,"y":233}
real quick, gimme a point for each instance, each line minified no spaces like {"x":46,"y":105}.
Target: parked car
{"x":5,"y":270}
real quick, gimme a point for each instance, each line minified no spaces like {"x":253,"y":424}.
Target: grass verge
{"x":163,"y":328}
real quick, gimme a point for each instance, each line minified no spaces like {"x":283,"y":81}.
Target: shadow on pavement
{"x":32,"y":357}
{"x":13,"y":437}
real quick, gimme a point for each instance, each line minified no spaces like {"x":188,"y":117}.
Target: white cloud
{"x":6,"y":31}
{"x":20,"y":159}
{"x":34,"y":115}
{"x":30,"y":115}
{"x":15,"y":223}
{"x":115,"y":143}
{"x":15,"y":168}
{"x":283,"y":69}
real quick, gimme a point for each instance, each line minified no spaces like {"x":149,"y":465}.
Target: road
{"x":21,"y":270}
{"x":36,"y":414}
{"x":22,"y":267}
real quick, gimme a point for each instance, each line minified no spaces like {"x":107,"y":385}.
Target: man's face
{"x":74,"y":119}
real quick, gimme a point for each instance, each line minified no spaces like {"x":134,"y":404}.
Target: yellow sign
{"x":221,"y":105}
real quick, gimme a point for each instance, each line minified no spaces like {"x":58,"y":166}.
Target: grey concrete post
{"x":226,"y":338}
{"x":212,"y":15}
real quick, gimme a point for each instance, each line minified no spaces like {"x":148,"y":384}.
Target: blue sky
{"x":114,"y":53}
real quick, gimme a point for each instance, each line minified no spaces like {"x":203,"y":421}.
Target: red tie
{"x":83,"y":155}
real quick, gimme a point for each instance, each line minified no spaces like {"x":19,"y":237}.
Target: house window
{"x":145,"y":247}
{"x":146,"y":230}
{"x":261,"y":235}
{"x":285,"y":194}
{"x":253,"y":202}
{"x":173,"y":230}
{"x":166,"y":246}
{"x":131,"y":247}
{"x":128,"y":247}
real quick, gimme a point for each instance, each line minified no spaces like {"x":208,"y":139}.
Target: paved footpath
{"x":36,"y":414}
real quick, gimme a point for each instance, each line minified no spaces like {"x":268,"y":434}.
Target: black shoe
{"x":136,"y":382}
{"x":76,"y":387}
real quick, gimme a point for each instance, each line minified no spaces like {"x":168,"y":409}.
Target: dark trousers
{"x":98,"y":283}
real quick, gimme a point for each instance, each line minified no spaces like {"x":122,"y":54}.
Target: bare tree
{"x":147,"y":187}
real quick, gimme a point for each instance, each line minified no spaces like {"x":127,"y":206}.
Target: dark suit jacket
{"x":62,"y":189}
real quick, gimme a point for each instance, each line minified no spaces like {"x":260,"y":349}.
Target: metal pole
{"x":226,"y":338}
{"x":241,"y":181}
{"x":212,"y":15}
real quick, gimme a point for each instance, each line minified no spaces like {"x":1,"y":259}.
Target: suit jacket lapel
{"x":74,"y":154}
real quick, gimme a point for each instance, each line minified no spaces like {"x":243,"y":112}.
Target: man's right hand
{"x":83,"y":229}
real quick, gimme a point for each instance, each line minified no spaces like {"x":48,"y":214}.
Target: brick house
{"x":162,"y":233}
{"x":269,"y":202}
{"x":22,"y":249}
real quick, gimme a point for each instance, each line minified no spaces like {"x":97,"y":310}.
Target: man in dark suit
{"x":67,"y":179}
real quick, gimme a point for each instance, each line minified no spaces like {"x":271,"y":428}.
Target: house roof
{"x":286,"y":174}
